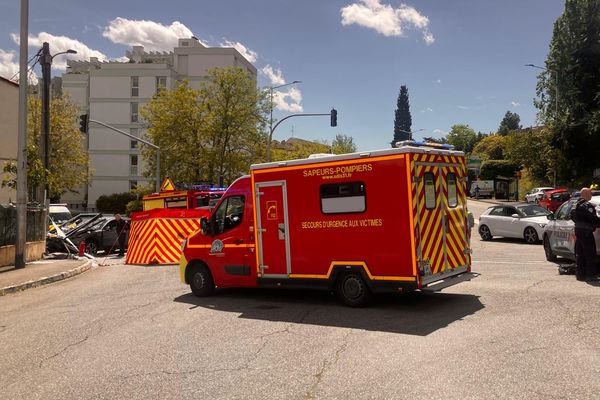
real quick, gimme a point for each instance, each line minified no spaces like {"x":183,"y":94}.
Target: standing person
{"x":586,"y":221}
{"x":121,"y":233}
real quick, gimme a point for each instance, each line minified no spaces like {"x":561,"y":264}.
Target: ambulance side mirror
{"x":205,"y":226}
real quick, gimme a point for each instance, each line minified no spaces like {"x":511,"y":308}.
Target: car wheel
{"x":485,"y":233}
{"x":352,"y":290}
{"x":91,"y":247}
{"x":201,"y":281}
{"x":550,"y":256}
{"x":531,"y":235}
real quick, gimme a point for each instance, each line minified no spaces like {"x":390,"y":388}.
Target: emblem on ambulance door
{"x":217,"y":246}
{"x":272,"y":210}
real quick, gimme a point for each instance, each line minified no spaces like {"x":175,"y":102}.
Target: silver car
{"x":525,"y":221}
{"x":559,"y":232}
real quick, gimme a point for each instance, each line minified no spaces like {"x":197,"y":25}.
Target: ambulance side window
{"x":346,"y":197}
{"x":229,"y":214}
{"x":429,"y":180}
{"x":451,"y":184}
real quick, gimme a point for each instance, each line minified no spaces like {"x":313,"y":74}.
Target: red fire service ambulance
{"x":386,"y":220}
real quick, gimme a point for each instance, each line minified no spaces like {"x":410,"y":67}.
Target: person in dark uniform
{"x":586,"y":221}
{"x":121,"y":232}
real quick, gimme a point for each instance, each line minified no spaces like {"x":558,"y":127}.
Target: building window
{"x":132,"y":185}
{"x":347,"y":197}
{"x":133,"y":164}
{"x":134,"y":112}
{"x":133,"y":144}
{"x":135,"y":86}
{"x":161,"y":83}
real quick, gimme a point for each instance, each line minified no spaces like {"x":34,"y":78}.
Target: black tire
{"x":91,"y":247}
{"x":201,"y":281}
{"x":550,"y":256}
{"x":485,"y":233}
{"x":530,"y":235}
{"x":352,"y":290}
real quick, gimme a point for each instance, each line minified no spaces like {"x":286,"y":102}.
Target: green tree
{"x":213,"y":133}
{"x":490,"y":147}
{"x":462,"y":137}
{"x":402,"y":120}
{"x":510,"y":122}
{"x":530,"y":149}
{"x":69,"y":161}
{"x":568,"y":91}
{"x":343,"y":144}
{"x":294,"y":149}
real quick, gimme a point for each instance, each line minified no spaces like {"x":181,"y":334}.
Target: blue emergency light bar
{"x":415,"y":143}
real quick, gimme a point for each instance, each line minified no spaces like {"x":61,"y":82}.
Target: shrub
{"x":114,"y":203}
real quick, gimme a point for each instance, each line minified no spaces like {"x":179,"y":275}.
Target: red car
{"x":553,"y":199}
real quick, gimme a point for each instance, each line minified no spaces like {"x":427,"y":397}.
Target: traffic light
{"x":83,"y":123}
{"x":333,"y":117}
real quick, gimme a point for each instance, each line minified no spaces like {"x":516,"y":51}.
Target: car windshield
{"x":533,"y":211}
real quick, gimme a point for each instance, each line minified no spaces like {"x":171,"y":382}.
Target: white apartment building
{"x":114,"y":92}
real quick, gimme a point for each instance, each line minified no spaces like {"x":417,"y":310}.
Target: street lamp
{"x":271,"y":88}
{"x":556,"y":88}
{"x":46,"y":63}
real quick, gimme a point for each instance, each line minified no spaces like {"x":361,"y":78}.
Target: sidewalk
{"x":42,"y":272}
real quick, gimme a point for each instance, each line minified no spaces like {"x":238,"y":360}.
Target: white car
{"x":536,"y":193}
{"x":559,"y":233}
{"x":526,"y":221}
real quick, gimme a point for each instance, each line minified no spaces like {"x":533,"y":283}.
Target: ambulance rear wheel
{"x":201,"y":281}
{"x":352,"y":290}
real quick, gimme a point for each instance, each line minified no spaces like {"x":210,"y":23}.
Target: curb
{"x":46,"y":280}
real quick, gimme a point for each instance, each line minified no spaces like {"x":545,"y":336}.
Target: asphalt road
{"x":518,"y":331}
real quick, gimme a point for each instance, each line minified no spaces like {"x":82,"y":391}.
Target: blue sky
{"x":462,"y":60}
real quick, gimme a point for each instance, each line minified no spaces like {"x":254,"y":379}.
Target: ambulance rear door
{"x":440,"y":216}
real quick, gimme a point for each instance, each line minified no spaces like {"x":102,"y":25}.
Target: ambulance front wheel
{"x":201,"y":281}
{"x":352,"y":290}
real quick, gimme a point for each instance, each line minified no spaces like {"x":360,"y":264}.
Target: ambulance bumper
{"x":448,"y":281}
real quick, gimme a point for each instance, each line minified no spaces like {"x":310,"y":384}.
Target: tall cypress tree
{"x":402,"y":120}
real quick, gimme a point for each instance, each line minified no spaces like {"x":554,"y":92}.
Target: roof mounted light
{"x":414,"y":143}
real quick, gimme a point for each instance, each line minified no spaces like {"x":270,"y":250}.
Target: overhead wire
{"x":31,"y":67}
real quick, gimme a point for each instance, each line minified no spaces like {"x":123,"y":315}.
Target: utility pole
{"x":46,"y":63}
{"x":22,"y":141}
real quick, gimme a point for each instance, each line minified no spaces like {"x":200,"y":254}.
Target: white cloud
{"x":464,"y":107}
{"x":8,"y":64}
{"x":246,"y":52}
{"x":9,"y":67}
{"x":515,"y":104}
{"x":439,"y":132}
{"x":385,"y":19}
{"x":428,"y":109}
{"x":284,"y":100}
{"x":154,"y":36}
{"x":288,"y":100}
{"x":439,"y":81}
{"x":59,"y":44}
{"x":274,"y":76}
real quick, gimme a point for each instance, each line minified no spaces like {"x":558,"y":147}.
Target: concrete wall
{"x":33,"y":251}
{"x":9,"y":131}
